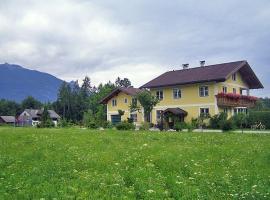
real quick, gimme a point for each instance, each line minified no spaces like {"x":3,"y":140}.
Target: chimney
{"x":202,"y":63}
{"x":185,"y":66}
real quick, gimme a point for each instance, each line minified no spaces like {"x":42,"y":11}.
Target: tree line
{"x":74,"y":102}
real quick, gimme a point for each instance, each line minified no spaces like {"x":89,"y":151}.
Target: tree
{"x":31,"y":103}
{"x":9,"y":107}
{"x":147,"y":102}
{"x":86,"y":88}
{"x":45,"y":121}
{"x":122,"y":82}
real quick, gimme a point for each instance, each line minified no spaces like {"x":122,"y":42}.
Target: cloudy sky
{"x":138,"y":39}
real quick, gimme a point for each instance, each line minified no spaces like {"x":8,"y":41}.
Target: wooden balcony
{"x":235,"y":100}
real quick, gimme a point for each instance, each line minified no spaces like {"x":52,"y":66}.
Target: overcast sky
{"x":137,"y":39}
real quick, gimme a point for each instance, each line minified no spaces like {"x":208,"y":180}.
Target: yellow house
{"x":120,"y":99}
{"x":190,"y":92}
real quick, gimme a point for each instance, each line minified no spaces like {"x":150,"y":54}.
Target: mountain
{"x":17,"y":82}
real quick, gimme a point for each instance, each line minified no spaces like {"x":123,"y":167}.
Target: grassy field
{"x":85,"y":164}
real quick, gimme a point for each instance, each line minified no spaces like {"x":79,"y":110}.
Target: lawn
{"x":88,"y":164}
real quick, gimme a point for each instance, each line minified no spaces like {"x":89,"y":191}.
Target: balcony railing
{"x":235,"y":100}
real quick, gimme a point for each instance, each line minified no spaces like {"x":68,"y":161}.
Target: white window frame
{"x":178,"y":92}
{"x":125,"y":100}
{"x":204,"y":93}
{"x":158,"y":94}
{"x":114,"y":102}
{"x":234,"y":76}
{"x":204,"y":108}
{"x":224,"y":89}
{"x":134,"y":100}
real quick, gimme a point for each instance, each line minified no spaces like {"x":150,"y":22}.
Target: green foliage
{"x":122,"y":82}
{"x":179,"y":126}
{"x":147,"y":101}
{"x":263,"y":104}
{"x":145,"y":126}
{"x":259,"y":116}
{"x":45,"y":121}
{"x":228,"y":125}
{"x":240,"y":120}
{"x":63,"y":123}
{"x":217,"y":121}
{"x":9,"y":108}
{"x":87,"y":164}
{"x":121,"y":112}
{"x":190,"y":127}
{"x":124,"y":125}
{"x":30,"y":103}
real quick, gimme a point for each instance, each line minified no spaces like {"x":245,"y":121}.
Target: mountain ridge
{"x":18,"y":82}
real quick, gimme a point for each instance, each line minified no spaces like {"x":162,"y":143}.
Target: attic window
{"x":234,"y":77}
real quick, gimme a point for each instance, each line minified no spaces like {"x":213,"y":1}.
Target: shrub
{"x":259,"y":116}
{"x":106,"y":124}
{"x":92,"y":125}
{"x":190,"y":127}
{"x":240,"y":120}
{"x":125,"y":126}
{"x":179,"y":126}
{"x":46,"y":124}
{"x":145,"y":126}
{"x":228,"y":125}
{"x":64,"y":123}
{"x":217,"y":121}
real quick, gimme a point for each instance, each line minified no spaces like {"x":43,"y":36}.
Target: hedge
{"x":260,"y":116}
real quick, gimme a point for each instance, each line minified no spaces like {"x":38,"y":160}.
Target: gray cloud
{"x":137,"y":39}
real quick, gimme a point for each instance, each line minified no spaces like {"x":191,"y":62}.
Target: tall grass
{"x":85,"y":164}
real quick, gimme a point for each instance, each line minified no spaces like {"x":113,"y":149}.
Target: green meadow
{"x":110,"y":164}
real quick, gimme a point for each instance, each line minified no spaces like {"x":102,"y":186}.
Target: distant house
{"x":32,"y":117}
{"x":7,"y":119}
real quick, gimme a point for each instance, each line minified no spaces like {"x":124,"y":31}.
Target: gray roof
{"x":38,"y":112}
{"x":8,"y":119}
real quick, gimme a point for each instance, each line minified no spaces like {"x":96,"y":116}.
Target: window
{"x":159,"y":113}
{"x":240,"y":110}
{"x":224,"y":89}
{"x":176,"y":93}
{"x":126,"y":100}
{"x":134,"y":101}
{"x":114,"y":102}
{"x":159,"y":94}
{"x":134,"y":117}
{"x":204,"y":111}
{"x":234,"y":77}
{"x":203,"y":90}
{"x":234,"y":91}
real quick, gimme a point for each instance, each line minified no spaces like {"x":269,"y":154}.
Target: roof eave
{"x":185,"y":83}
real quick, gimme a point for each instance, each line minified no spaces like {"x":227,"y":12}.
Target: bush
{"x":64,"y":123}
{"x":125,"y":126}
{"x":46,"y":124}
{"x":106,"y":124}
{"x":228,"y":125}
{"x":179,"y":126}
{"x":145,"y":126}
{"x":92,"y":125}
{"x":190,"y":127}
{"x":217,"y":121}
{"x":259,"y":116}
{"x":240,"y":120}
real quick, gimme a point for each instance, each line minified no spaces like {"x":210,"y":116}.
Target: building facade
{"x":190,"y":92}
